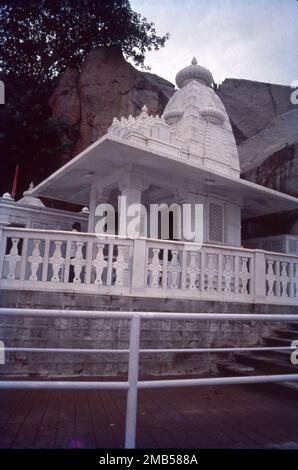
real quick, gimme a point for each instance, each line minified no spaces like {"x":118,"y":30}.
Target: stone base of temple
{"x":114,"y":334}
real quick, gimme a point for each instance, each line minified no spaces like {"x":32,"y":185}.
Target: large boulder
{"x":251,"y":105}
{"x":107,"y":87}
{"x":265,"y":125}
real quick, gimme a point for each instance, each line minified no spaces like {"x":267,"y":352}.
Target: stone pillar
{"x":184,"y":197}
{"x":233,"y":224}
{"x":131,"y":186}
{"x":260,"y":276}
{"x":138,"y":283}
{"x":97,"y":196}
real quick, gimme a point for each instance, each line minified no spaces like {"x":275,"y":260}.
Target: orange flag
{"x":14,"y":183}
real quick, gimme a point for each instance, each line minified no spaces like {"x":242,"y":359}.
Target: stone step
{"x":228,"y":369}
{"x":232,"y":368}
{"x":266,"y":364}
{"x":282,"y":355}
{"x":277,"y":341}
{"x":285,"y":333}
{"x":290,"y":385}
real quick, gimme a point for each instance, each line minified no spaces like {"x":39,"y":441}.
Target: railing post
{"x":3,"y":240}
{"x":133,"y":373}
{"x":138,"y":279}
{"x":260,"y":276}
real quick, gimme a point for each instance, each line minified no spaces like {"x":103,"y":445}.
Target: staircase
{"x":265,"y":362}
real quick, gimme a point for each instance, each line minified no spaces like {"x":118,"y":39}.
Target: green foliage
{"x":38,"y":40}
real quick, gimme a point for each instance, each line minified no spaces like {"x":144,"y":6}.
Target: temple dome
{"x":194,"y":126}
{"x":194,"y":72}
{"x":200,"y":121}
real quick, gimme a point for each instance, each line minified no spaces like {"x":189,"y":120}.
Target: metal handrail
{"x":133,"y":384}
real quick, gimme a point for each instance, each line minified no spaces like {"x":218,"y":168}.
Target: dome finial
{"x":194,"y":72}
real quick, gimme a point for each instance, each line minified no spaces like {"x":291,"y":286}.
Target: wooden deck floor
{"x":221,"y":417}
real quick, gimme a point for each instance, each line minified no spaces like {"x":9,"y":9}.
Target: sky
{"x":248,"y":39}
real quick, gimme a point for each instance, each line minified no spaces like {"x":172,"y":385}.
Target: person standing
{"x":76,"y":227}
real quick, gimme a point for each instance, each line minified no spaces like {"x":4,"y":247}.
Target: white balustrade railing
{"x":201,"y":271}
{"x":72,"y":261}
{"x":281,"y":276}
{"x":56,"y":260}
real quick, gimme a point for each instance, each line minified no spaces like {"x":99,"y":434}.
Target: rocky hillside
{"x":265,"y":125}
{"x":107,"y":86}
{"x":264,"y":120}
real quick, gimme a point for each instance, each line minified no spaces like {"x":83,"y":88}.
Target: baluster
{"x":120,"y":266}
{"x":278,"y":283}
{"x":24,"y":255}
{"x":89,"y":256}
{"x":174,"y":269}
{"x":228,"y":273}
{"x":203,"y":257}
{"x":284,"y":278}
{"x":56,"y":261}
{"x":219,"y":284}
{"x":165,"y":275}
{"x":270,"y":277}
{"x":291,"y":280}
{"x":193,"y":270}
{"x":236,"y":274}
{"x":184,"y":269}
{"x":78,"y":263}
{"x":110,"y":264}
{"x":244,"y":275}
{"x":155,"y":268}
{"x":211,"y":271}
{"x":44,"y":276}
{"x":35,"y":260}
{"x":13,"y":258}
{"x":295,"y":279}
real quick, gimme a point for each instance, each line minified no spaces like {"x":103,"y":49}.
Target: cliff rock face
{"x":107,"y":87}
{"x":265,"y":124}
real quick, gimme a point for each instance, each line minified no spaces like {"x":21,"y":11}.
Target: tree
{"x":38,"y":40}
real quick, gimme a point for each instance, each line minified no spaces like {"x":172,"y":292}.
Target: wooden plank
{"x":46,"y":435}
{"x":8,"y":403}
{"x":17,"y":419}
{"x":84,"y":431}
{"x":181,"y":410}
{"x":104,"y":434}
{"x":144,"y":437}
{"x":31,"y":425}
{"x":203,"y":417}
{"x":115,"y":420}
{"x":198,"y":412}
{"x":65,"y":437}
